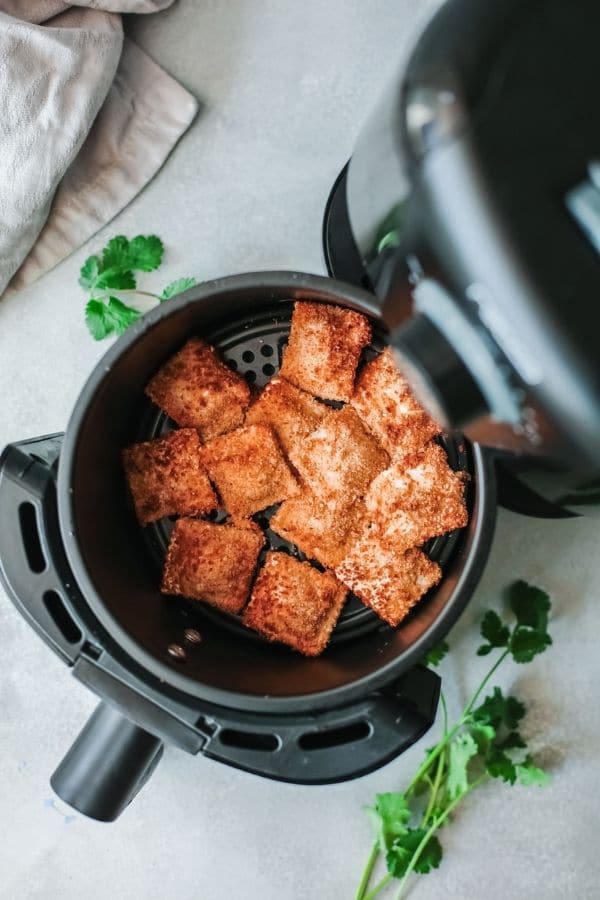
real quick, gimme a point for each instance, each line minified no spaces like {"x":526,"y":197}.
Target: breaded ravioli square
{"x":386,"y":405}
{"x":391,"y":583}
{"x":249,"y":470}
{"x":339,"y":458}
{"x":197,"y":390}
{"x":295,"y":604}
{"x":417,"y":499}
{"x":166,"y":477}
{"x":322,"y":529}
{"x":213,"y":563}
{"x":292,"y":413}
{"x":324,"y":348}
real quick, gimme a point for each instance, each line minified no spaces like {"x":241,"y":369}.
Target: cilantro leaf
{"x":435,"y":654}
{"x":530,"y":605}
{"x":526,"y":643}
{"x":177,"y":287}
{"x":121,"y":316}
{"x":390,"y":816}
{"x":483,"y":734}
{"x":145,"y":253}
{"x":96,"y":320}
{"x":89,"y":272}
{"x":403,"y":850}
{"x":497,"y":710}
{"x":528,"y":774}
{"x":113,"y":317}
{"x":116,"y":278}
{"x":499,"y":765}
{"x":495,"y":633}
{"x":462,"y":749}
{"x":513,"y":741}
{"x":116,"y":253}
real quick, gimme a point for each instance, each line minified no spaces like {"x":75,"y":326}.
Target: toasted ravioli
{"x":292,"y":413}
{"x":293,"y":603}
{"x":213,"y":563}
{"x":386,"y":405}
{"x":166,"y":477}
{"x":249,"y":470}
{"x":391,"y":583}
{"x":324,"y":348}
{"x":322,"y":529}
{"x":197,"y":390}
{"x":417,"y":499}
{"x":339,"y":458}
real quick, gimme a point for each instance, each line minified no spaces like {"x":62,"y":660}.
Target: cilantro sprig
{"x":484,"y":743}
{"x":109,"y":275}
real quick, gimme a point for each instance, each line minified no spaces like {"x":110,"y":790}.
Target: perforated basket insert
{"x":253,"y":346}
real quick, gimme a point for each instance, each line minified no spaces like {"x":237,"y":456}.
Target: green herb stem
{"x":379,"y":887}
{"x":428,"y":762}
{"x":441,"y":764}
{"x":479,"y":690}
{"x":127,"y":291}
{"x":368,"y":871}
{"x":437,"y":822}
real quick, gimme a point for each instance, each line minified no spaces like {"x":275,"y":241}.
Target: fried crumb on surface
{"x":212,"y":563}
{"x":321,"y":529}
{"x":385,"y":403}
{"x":291,"y":412}
{"x":197,"y":390}
{"x":391,"y":583}
{"x":166,"y":477}
{"x":340,"y":457}
{"x":417,"y":498}
{"x":323,"y":350}
{"x":249,"y":470}
{"x":293,"y":603}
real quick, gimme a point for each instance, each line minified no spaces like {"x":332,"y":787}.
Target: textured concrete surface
{"x":284,"y":86}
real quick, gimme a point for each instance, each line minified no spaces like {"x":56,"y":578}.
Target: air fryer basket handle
{"x":107,"y":765}
{"x":334,"y":745}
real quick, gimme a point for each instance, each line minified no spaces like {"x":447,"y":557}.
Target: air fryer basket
{"x":118,"y":564}
{"x":253,"y":346}
{"x":86,"y":577}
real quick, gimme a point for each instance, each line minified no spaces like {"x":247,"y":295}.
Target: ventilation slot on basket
{"x":31,"y":537}
{"x":249,"y":740}
{"x":335,"y":737}
{"x":61,"y":618}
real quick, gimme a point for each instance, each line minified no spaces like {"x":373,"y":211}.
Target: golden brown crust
{"x":292,"y":413}
{"x":339,"y":458}
{"x":324,"y":348}
{"x":212,"y":563}
{"x":249,"y":470}
{"x":197,"y":390}
{"x":391,"y":583}
{"x":322,"y":529}
{"x":293,"y":603}
{"x":416,"y":499}
{"x":166,"y":477}
{"x":387,"y":407}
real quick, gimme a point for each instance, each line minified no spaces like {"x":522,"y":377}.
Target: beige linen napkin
{"x":86,"y":120}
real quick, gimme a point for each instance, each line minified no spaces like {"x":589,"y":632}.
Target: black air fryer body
{"x":87,"y":577}
{"x":471,"y":205}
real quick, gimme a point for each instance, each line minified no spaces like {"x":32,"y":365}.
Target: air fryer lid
{"x":117,"y":564}
{"x":477,"y":179}
{"x":504,"y":152}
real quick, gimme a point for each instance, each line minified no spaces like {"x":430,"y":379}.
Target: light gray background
{"x":284,"y":87}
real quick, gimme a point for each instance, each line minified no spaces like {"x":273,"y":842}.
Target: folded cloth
{"x":86,"y":120}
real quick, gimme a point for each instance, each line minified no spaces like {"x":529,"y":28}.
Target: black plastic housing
{"x":231,"y":696}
